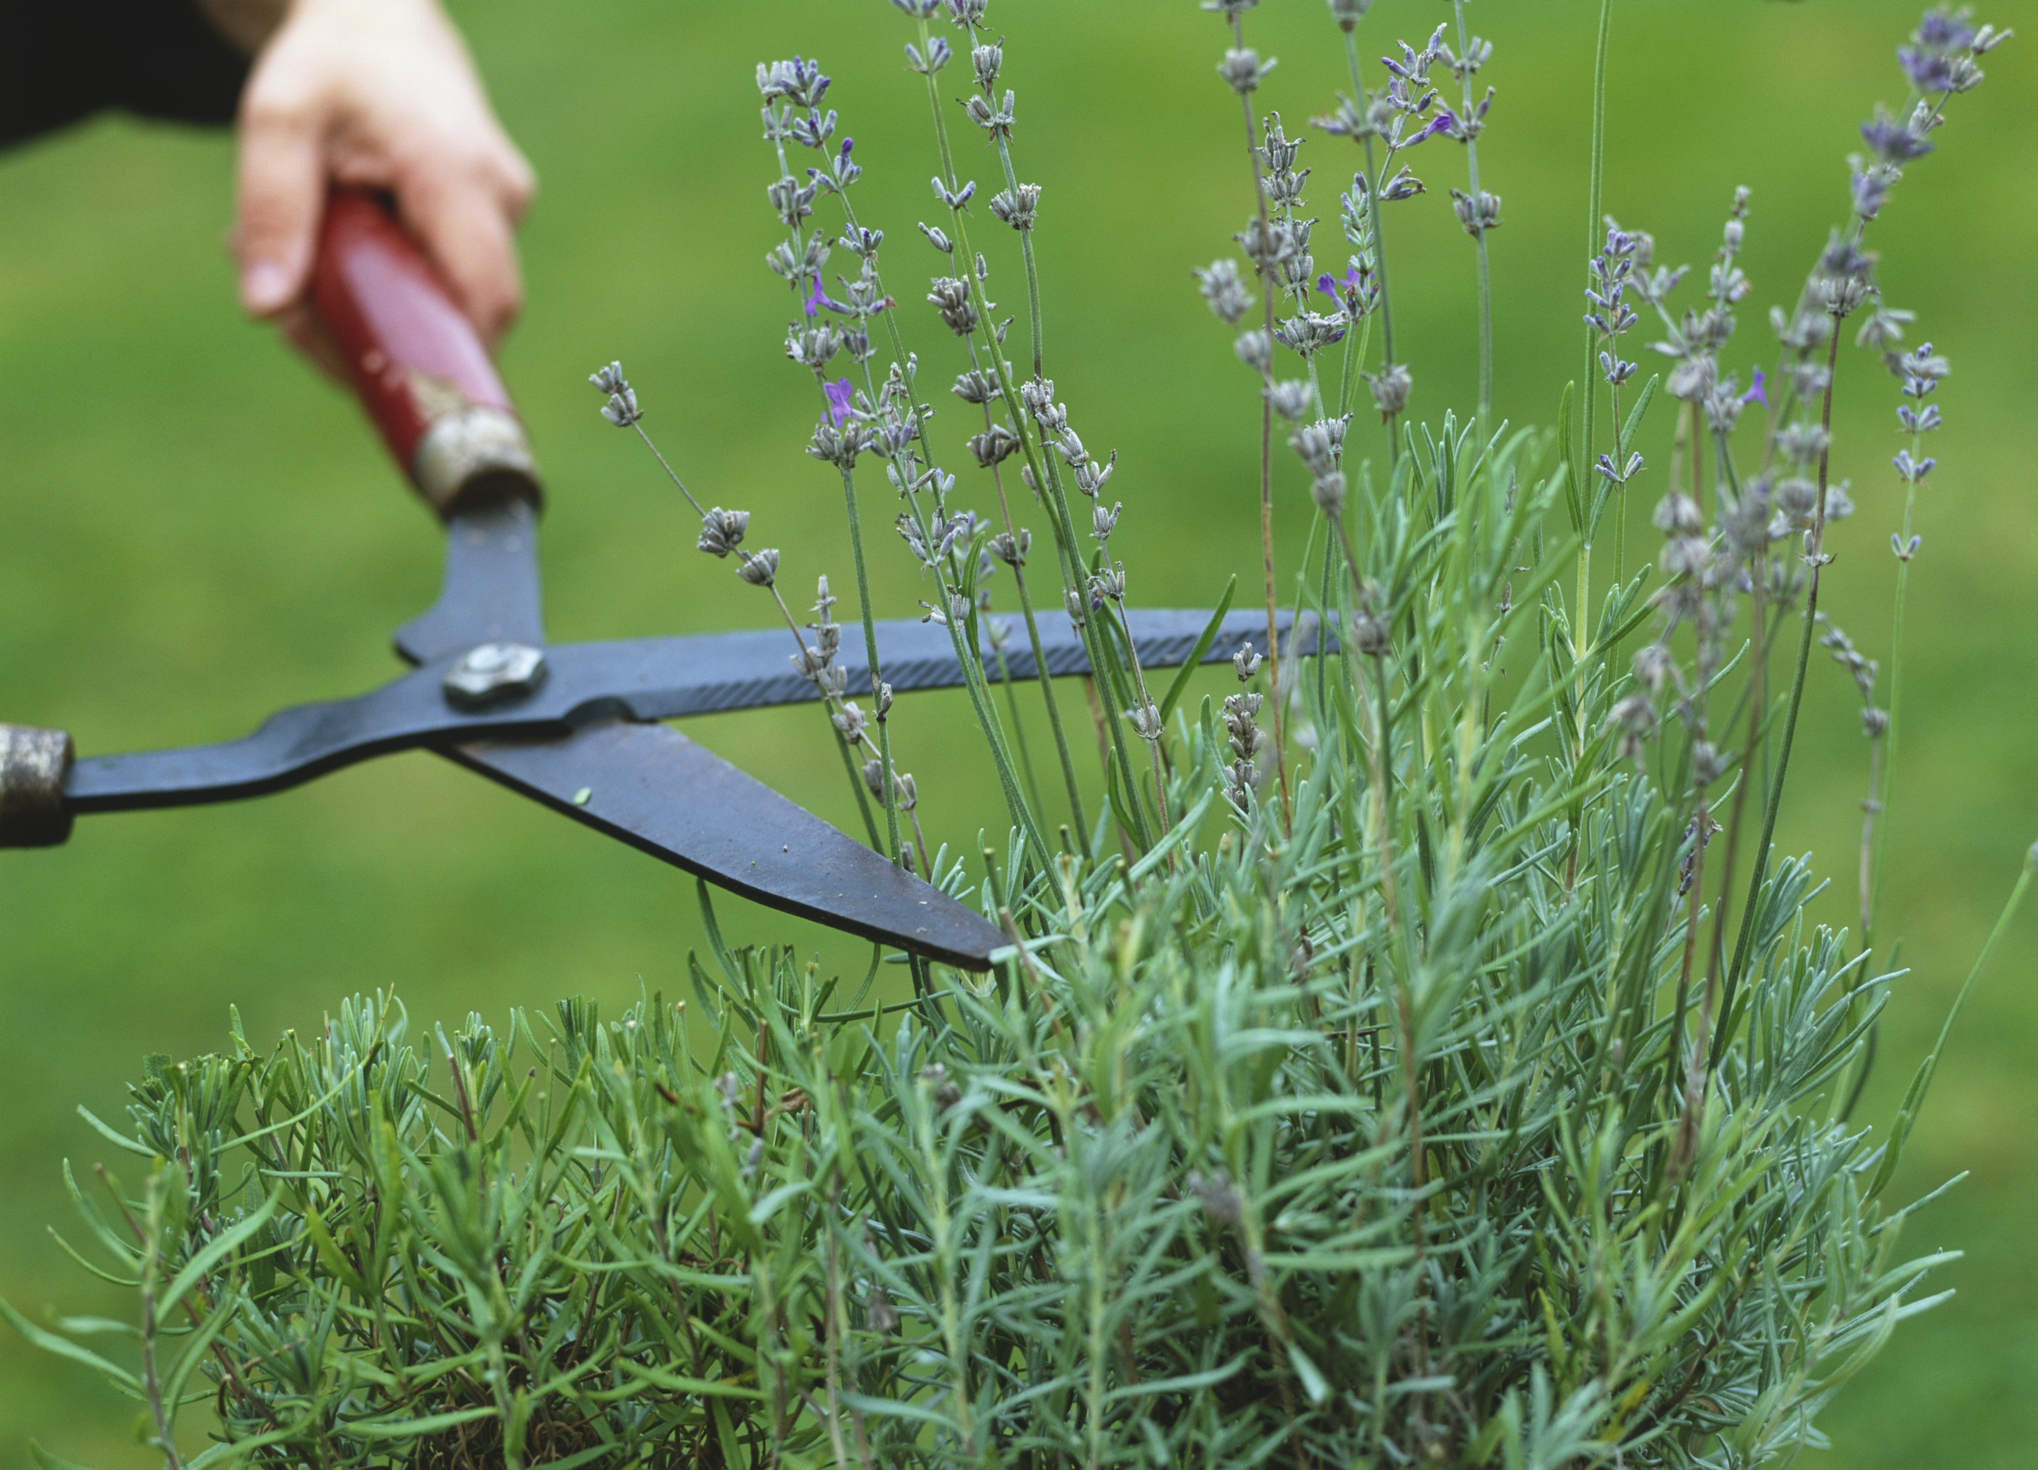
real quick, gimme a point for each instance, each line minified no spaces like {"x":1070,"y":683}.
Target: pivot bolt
{"x":492,"y":672}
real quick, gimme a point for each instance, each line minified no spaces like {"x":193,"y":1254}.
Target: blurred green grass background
{"x":194,"y":530}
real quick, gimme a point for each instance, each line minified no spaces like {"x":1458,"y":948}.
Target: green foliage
{"x":1365,"y":1140}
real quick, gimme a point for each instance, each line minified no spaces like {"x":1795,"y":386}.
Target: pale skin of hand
{"x":380,"y":93}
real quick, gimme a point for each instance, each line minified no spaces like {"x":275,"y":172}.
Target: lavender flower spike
{"x":839,"y":399}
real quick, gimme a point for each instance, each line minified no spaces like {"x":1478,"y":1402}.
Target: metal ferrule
{"x":473,"y":454}
{"x":34,"y":764}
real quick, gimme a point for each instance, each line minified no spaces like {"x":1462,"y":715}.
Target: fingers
{"x":281,"y":191}
{"x":466,"y":218}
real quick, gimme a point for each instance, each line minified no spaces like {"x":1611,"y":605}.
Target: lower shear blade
{"x":653,"y":788}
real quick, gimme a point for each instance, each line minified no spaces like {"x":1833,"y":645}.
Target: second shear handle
{"x":415,"y":361}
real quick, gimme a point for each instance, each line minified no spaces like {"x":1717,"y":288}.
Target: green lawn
{"x":193,"y":531}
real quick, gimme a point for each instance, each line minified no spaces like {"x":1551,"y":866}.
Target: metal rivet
{"x":495,"y":671}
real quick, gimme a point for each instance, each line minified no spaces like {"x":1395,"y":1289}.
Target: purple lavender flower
{"x":1929,"y":71}
{"x":1756,"y":393}
{"x":1893,"y":141}
{"x":1445,"y":121}
{"x":839,"y":397}
{"x":1944,"y":30}
{"x":1328,"y":284}
{"x":815,"y":299}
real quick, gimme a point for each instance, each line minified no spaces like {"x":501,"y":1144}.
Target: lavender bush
{"x":1418,"y":1055}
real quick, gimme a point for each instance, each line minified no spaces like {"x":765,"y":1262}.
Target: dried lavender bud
{"x":1091,"y":477}
{"x":836,"y":446}
{"x":974,"y":387}
{"x":966,"y":13}
{"x":884,"y":701}
{"x":1634,"y":717}
{"x":946,"y":1093}
{"x":1910,"y":471}
{"x":874,"y":777}
{"x":1652,"y":666}
{"x":1328,"y":491}
{"x":1390,"y":389}
{"x":1348,"y":13}
{"x":1289,"y":397}
{"x":1841,"y":297}
{"x":938,"y":238}
{"x":1103,"y":522}
{"x":1017,"y":207}
{"x":1477,"y":53}
{"x":1706,"y":765}
{"x":1369,"y":634}
{"x":1109,"y":583}
{"x":609,"y":379}
{"x":1307,"y":332}
{"x":908,"y":793}
{"x":1074,"y":604}
{"x":1224,"y":290}
{"x":985,"y":61}
{"x":1146,"y":721}
{"x":813,"y":348}
{"x":1874,"y":722}
{"x":759,"y":569}
{"x":951,"y":297}
{"x":1684,"y":556}
{"x":1802,"y":443}
{"x":722,"y":530}
{"x":1278,"y":151}
{"x":996,"y":122}
{"x":878,"y":1315}
{"x":1268,"y":242}
{"x":1011,"y":548}
{"x":1256,"y":350}
{"x":1404,"y":185}
{"x":1240,"y":712}
{"x":621,"y":409}
{"x":1920,"y":369}
{"x":814,"y":131}
{"x":1678,"y":514}
{"x":1317,"y":446}
{"x":956,"y":198}
{"x":792,"y":201}
{"x":1242,"y":70}
{"x":1245,"y":663}
{"x":799,"y":82}
{"x":1477,"y":215}
{"x":861,"y":242}
{"x":993,"y":445}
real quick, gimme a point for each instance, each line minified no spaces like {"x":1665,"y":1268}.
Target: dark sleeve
{"x":63,"y":60}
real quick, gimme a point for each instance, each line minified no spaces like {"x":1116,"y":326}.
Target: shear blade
{"x":653,"y":788}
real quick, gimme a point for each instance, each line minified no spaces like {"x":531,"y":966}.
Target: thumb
{"x":281,"y":189}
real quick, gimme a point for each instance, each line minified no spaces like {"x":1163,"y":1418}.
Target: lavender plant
{"x":1412,"y":1078}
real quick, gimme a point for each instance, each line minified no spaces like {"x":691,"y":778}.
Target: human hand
{"x":378,"y":93}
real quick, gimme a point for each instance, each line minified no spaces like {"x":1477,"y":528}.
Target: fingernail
{"x":265,"y":287}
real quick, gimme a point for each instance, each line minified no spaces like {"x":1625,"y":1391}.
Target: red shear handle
{"x":416,"y":363}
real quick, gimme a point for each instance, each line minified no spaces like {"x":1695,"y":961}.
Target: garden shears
{"x":573,"y":726}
